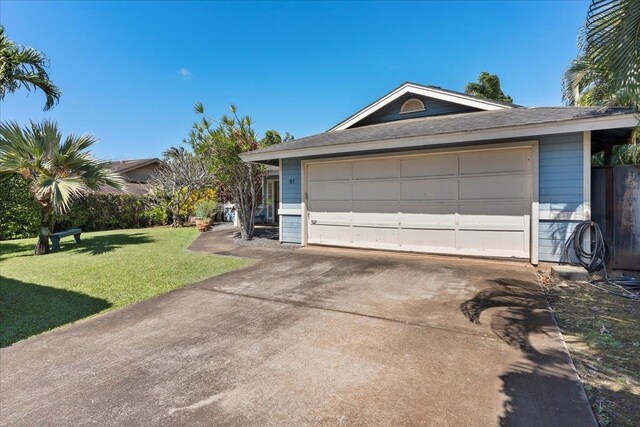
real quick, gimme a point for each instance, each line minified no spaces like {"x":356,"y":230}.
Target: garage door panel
{"x":375,"y":169}
{"x":429,"y":189}
{"x":376,"y":235}
{"x":496,"y":240}
{"x":376,"y":218}
{"x":495,"y":161}
{"x":330,"y":233}
{"x":375,"y":191}
{"x":495,"y":187}
{"x":428,"y":166}
{"x":494,"y":215}
{"x":329,"y":172}
{"x":428,"y":215}
{"x":329,"y":206}
{"x":325,"y":191}
{"x":413,"y":239}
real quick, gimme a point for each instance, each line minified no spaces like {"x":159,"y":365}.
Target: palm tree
{"x":487,"y":86}
{"x":607,"y":70}
{"x":24,"y":67}
{"x":58,"y":170}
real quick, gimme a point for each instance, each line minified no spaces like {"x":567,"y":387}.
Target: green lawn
{"x":107,"y":270}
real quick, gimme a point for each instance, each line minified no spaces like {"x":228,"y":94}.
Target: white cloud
{"x":184,"y":73}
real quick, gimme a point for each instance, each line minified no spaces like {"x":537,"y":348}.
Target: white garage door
{"x":466,"y":203}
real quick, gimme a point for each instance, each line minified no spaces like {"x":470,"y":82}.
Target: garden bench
{"x":55,"y":237}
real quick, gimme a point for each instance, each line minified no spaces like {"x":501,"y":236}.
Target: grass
{"x":106,"y":271}
{"x":602,"y":332}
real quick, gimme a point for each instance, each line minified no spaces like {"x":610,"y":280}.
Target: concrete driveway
{"x":306,"y":337}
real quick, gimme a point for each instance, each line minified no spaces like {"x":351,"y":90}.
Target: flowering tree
{"x":181,"y":175}
{"x":221,"y":142}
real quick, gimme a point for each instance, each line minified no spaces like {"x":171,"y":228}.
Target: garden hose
{"x":594,"y":260}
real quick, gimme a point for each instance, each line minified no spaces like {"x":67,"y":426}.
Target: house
{"x":136,"y":172}
{"x":432,"y":170}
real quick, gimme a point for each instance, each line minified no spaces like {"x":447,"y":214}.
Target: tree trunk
{"x":46,"y":224}
{"x":177,"y":221}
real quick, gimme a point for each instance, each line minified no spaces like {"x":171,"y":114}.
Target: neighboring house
{"x":136,"y":172}
{"x":431,"y":170}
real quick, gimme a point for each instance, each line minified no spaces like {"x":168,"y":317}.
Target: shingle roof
{"x":125,"y":165}
{"x":441,"y":125}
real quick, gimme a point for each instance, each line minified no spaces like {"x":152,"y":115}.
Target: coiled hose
{"x":595,"y":260}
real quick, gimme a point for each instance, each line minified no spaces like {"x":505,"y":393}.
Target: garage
{"x":465,"y":202}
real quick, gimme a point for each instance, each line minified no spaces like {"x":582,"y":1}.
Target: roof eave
{"x":509,"y":132}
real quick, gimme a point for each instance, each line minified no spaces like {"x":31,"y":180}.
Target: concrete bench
{"x":55,"y":237}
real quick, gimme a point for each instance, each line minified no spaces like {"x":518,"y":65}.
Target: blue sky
{"x":130,"y":73}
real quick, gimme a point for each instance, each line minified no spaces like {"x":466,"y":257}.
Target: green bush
{"x":206,"y":209}
{"x":19,"y":212}
{"x":156,"y":216}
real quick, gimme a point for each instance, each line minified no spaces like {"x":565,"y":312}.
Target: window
{"x":412,"y":105}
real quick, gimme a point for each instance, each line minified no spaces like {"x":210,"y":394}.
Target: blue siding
{"x":434,"y":107}
{"x":561,"y":181}
{"x":291,"y":228}
{"x":291,"y":198}
{"x":553,"y":235}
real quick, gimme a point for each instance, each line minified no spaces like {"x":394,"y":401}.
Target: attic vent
{"x":412,"y":105}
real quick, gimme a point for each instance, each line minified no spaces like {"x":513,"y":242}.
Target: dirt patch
{"x":602,"y":333}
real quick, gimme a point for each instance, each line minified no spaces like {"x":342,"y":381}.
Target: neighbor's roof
{"x":449,"y":129}
{"x":128,"y":165}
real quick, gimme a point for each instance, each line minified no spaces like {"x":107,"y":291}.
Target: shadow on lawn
{"x":97,"y":245}
{"x":540,"y":389}
{"x":28,"y":309}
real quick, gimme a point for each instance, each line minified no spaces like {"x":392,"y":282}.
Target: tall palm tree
{"x":24,"y":67}
{"x":58,"y":170}
{"x":607,"y":70}
{"x":487,"y":86}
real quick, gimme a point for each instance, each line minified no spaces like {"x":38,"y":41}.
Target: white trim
{"x":586,"y":178}
{"x":290,"y":211}
{"x":303,"y":203}
{"x":280,"y":201}
{"x":534,"y":216}
{"x":419,"y":90}
{"x":569,"y":126}
{"x":535,"y":203}
{"x":586,"y":186}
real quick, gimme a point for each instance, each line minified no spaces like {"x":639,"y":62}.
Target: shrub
{"x":156,"y":216}
{"x":206,"y":209}
{"x":98,"y":211}
{"x":19,"y":211}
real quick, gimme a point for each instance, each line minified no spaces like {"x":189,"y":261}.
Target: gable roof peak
{"x":428,"y":91}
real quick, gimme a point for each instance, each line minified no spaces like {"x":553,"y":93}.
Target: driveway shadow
{"x":543,"y":388}
{"x":28,"y":309}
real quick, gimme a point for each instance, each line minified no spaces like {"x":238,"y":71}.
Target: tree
{"x":273,"y":137}
{"x":610,"y":48}
{"x":487,"y":86}
{"x":58,"y":171}
{"x":24,"y":67}
{"x":178,"y":178}
{"x":222,"y":145}
{"x":607,"y":70}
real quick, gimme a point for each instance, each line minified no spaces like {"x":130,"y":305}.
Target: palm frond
{"x":612,"y":40}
